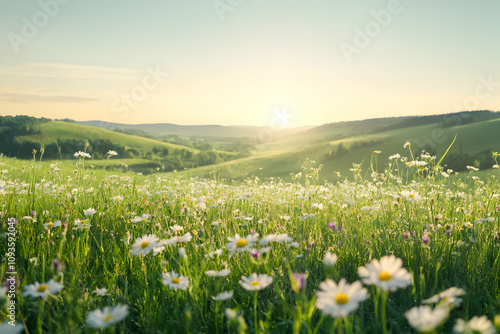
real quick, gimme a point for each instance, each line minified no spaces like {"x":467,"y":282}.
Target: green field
{"x":97,"y":250}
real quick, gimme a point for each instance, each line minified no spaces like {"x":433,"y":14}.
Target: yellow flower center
{"x":241,"y":243}
{"x":412,"y":195}
{"x":108,"y":318}
{"x":50,"y":224}
{"x":42,"y":288}
{"x":254,"y":283}
{"x":341,"y":299}
{"x":384,"y":276}
{"x":83,"y":221}
{"x":175,"y":280}
{"x":144,"y":244}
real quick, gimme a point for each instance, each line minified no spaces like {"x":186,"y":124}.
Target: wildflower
{"x":112,"y":153}
{"x":176,"y":228}
{"x":117,"y":198}
{"x":318,"y":206}
{"x":175,"y":239}
{"x":332,"y":225}
{"x":81,"y":154}
{"x":216,"y":252}
{"x":145,"y":244}
{"x":58,"y":266}
{"x":447,"y":297}
{"x":411,"y":195}
{"x":407,"y":144}
{"x":424,"y":319}
{"x":89,"y":212}
{"x":241,"y":244}
{"x":175,"y":281}
{"x":256,"y":282}
{"x":42,"y":290}
{"x":330,"y":259}
{"x":223,"y":296}
{"x":299,"y":281}
{"x":475,"y":325}
{"x":472,"y":168}
{"x":182,"y":253}
{"x":387,"y":274}
{"x":425,"y":239}
{"x":340,"y":300}
{"x":215,"y":273}
{"x":141,"y":219}
{"x":395,"y":156}
{"x":107,"y":316}
{"x":101,"y":292}
{"x":254,"y":253}
{"x":230,"y":313}
{"x":57,"y":223}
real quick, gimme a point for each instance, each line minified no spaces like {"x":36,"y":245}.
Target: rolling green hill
{"x":59,"y":131}
{"x":475,"y":141}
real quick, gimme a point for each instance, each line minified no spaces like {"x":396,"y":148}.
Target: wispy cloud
{"x":68,"y":71}
{"x":29,"y":98}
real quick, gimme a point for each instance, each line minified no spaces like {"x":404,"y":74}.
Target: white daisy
{"x":387,"y":274}
{"x":81,"y":154}
{"x":176,"y":228}
{"x":107,"y":316}
{"x":447,"y":297}
{"x":81,"y":224}
{"x":42,"y":290}
{"x":101,"y":292}
{"x":411,"y":195}
{"x":241,"y":244}
{"x":475,"y":325}
{"x":340,"y":300}
{"x":175,"y":281}
{"x":424,"y":319}
{"x":89,"y":212}
{"x":330,"y":259}
{"x":223,"y":296}
{"x":57,"y":223}
{"x":214,"y":273}
{"x":175,"y":239}
{"x":256,"y":282}
{"x":145,"y":244}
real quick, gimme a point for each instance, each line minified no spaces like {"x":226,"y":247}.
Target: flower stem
{"x":255,"y":312}
{"x":384,"y":310}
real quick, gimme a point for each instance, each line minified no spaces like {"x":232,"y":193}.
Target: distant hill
{"x":336,"y":146}
{"x":160,"y":129}
{"x":240,"y":150}
{"x":20,"y":135}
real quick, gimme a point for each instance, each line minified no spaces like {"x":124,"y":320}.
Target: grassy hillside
{"x":285,"y":156}
{"x":60,"y":131}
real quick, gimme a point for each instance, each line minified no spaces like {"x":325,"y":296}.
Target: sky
{"x":247,"y":62}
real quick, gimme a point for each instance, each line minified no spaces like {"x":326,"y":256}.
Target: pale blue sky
{"x":263,"y":56}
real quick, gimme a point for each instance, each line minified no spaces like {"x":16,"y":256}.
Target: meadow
{"x":398,"y":245}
